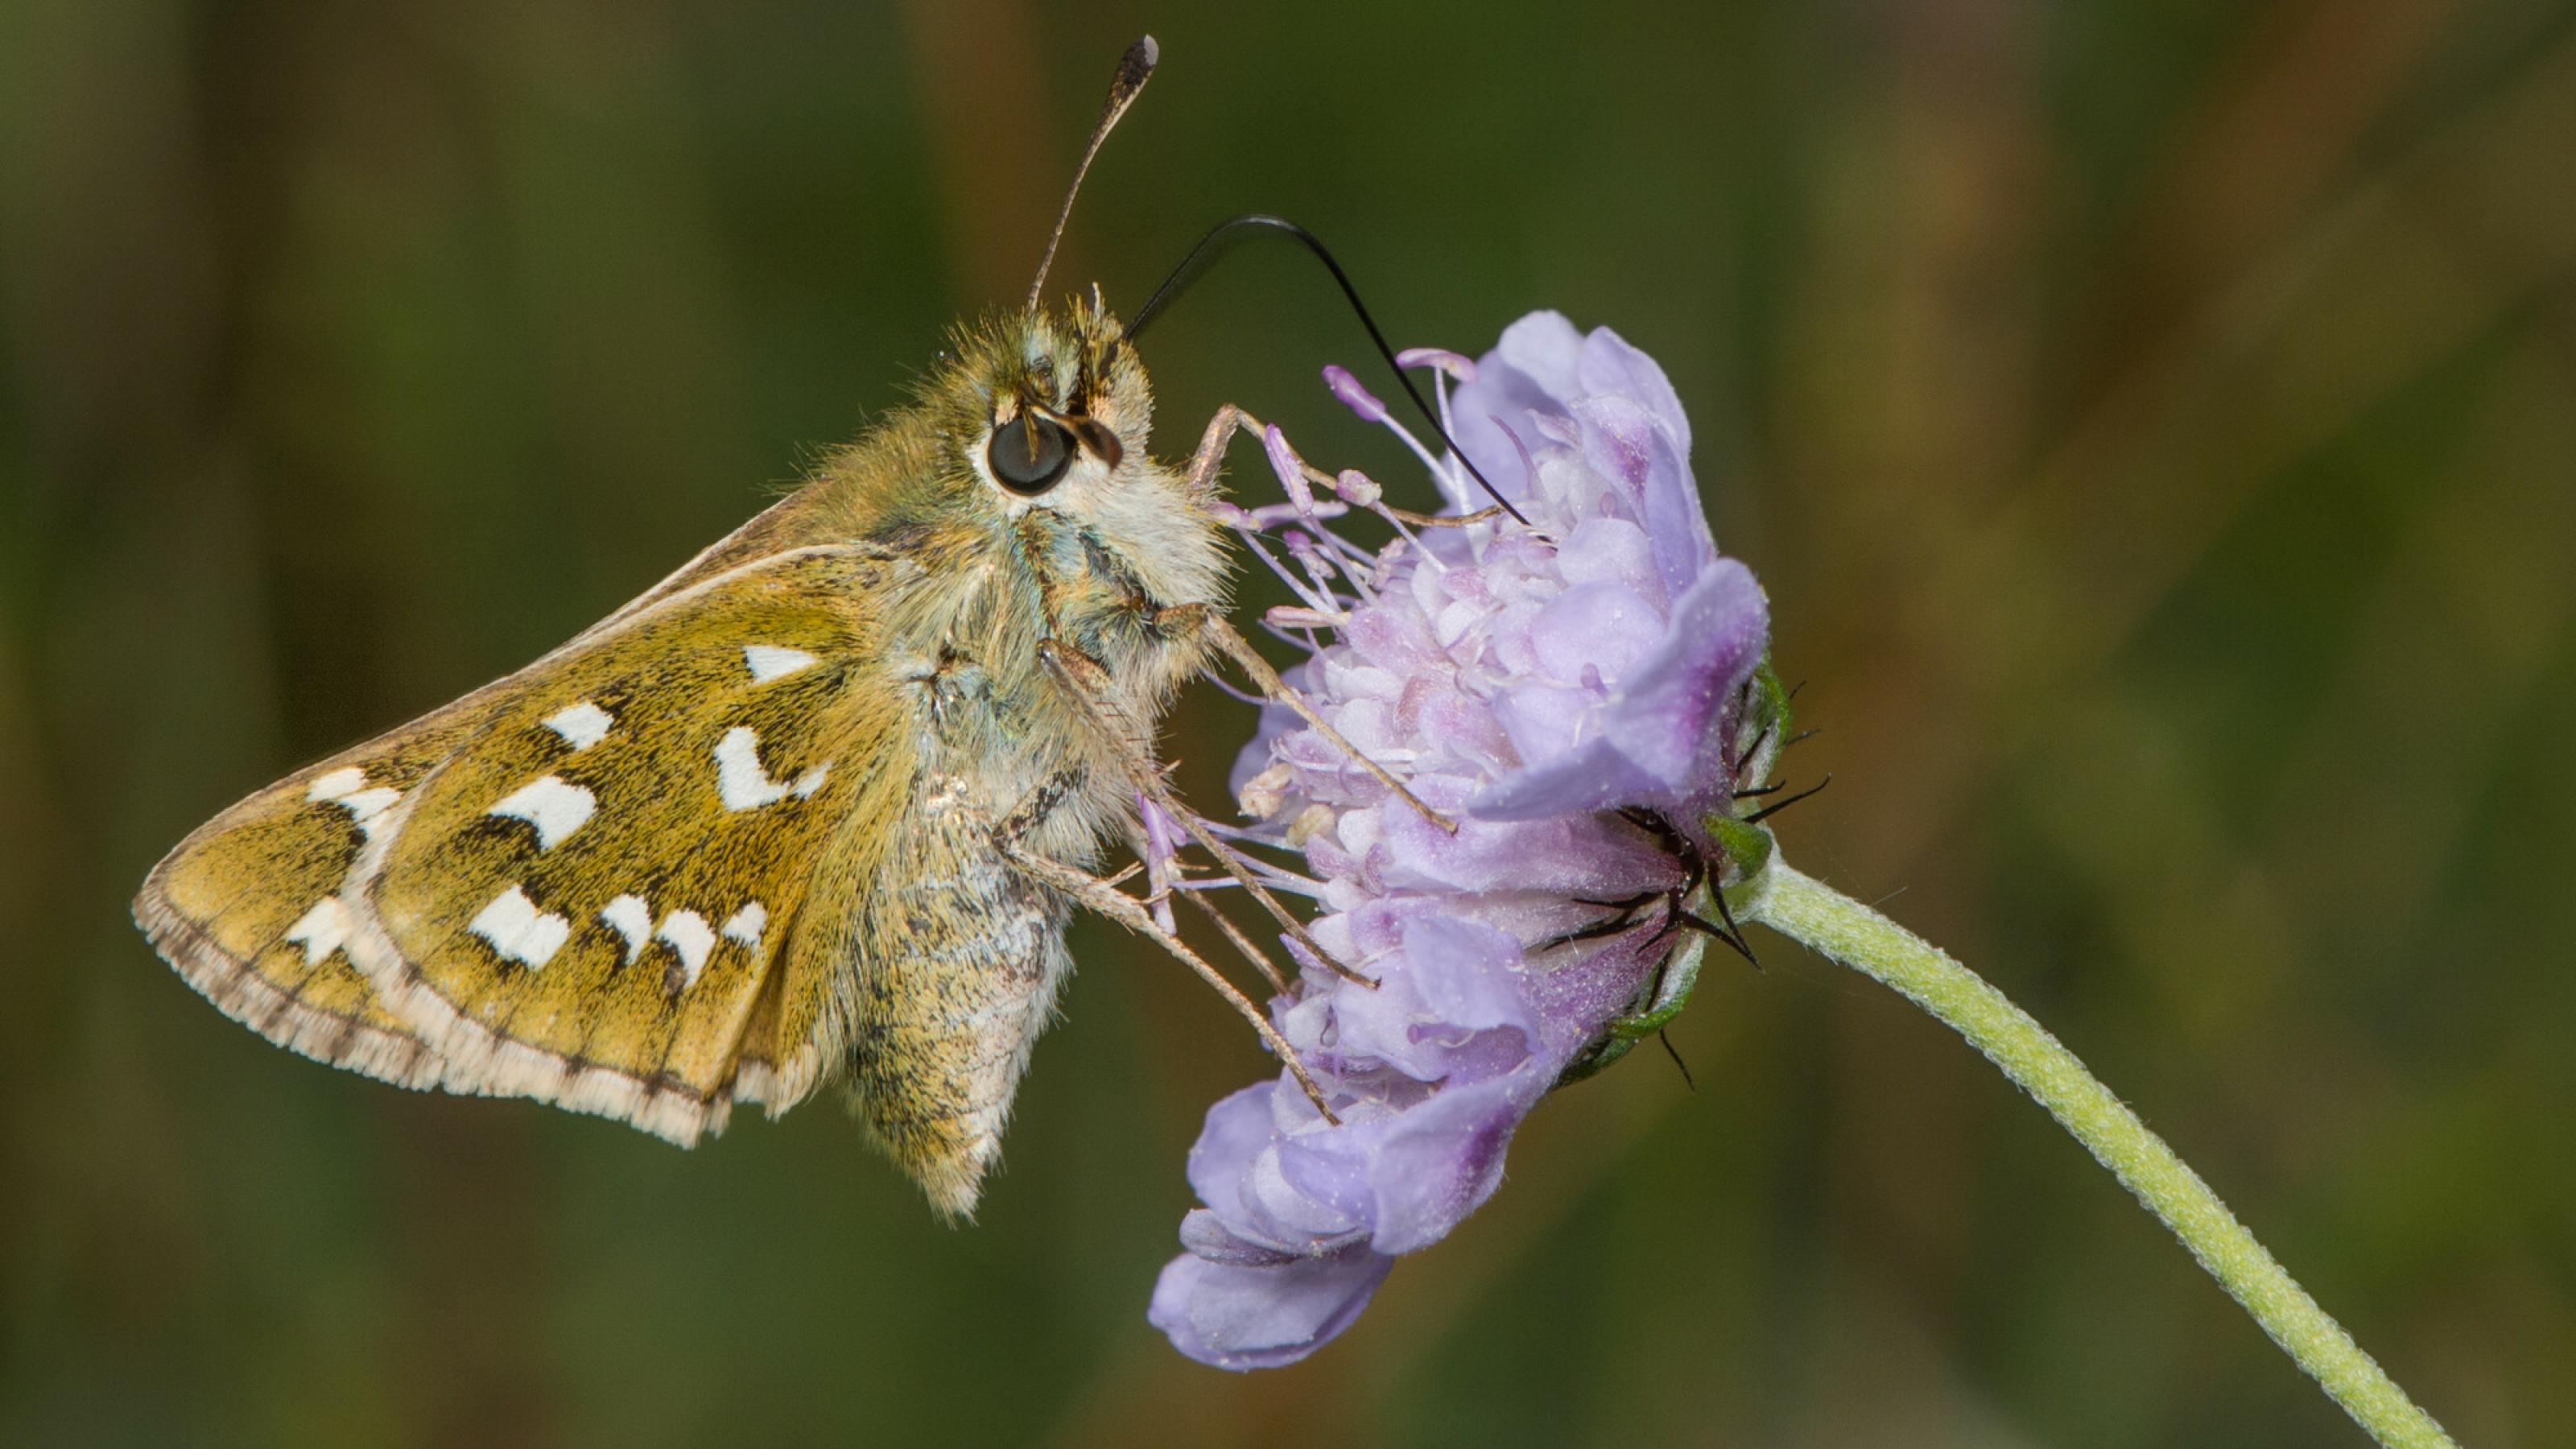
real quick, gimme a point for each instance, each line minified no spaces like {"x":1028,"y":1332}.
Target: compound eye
{"x":1029,"y":453}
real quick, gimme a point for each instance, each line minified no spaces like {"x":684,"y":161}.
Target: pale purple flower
{"x":1529,"y":682}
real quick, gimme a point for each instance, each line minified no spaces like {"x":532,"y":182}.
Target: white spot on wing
{"x":692,"y":938}
{"x":342,"y":787}
{"x":582,"y":725}
{"x":768,"y":661}
{"x":554,"y":805}
{"x":320,"y":930}
{"x":742,"y":781}
{"x":518,"y":931}
{"x":631,"y":918}
{"x":365,"y":805}
{"x":747,"y":924}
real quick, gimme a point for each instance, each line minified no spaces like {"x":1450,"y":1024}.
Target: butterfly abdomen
{"x":957,"y":965}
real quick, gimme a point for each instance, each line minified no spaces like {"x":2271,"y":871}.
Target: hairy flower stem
{"x":1834,"y":925}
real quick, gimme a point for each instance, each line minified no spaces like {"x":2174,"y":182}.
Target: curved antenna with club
{"x":1134,"y":69}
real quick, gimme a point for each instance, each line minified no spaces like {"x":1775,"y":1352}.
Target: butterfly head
{"x":1029,"y":441}
{"x":1047,"y":408}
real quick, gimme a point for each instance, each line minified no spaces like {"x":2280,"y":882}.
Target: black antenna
{"x":1134,"y":69}
{"x":1237,"y":228}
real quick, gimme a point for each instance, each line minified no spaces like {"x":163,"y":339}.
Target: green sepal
{"x":1763,"y":724}
{"x":1748,"y":848}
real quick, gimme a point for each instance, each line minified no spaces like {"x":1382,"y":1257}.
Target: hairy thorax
{"x":996,"y":723}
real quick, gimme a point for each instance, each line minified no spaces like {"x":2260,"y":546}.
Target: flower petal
{"x":1533,"y":368}
{"x":1655,"y":729}
{"x":1236,"y":1316}
{"x":1665,"y":715}
{"x":1607,"y":364}
{"x":1441,"y":1160}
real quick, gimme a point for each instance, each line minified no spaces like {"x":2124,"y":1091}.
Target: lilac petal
{"x":1455,"y":489}
{"x":1321,"y":1175}
{"x":1547,"y":350}
{"x":1532,"y":369}
{"x":1651,"y":731}
{"x":1461,"y":971}
{"x":1611,"y":550}
{"x":1607,"y":364}
{"x":1464,"y":726}
{"x":1205,"y":1235}
{"x":1546,"y":722}
{"x":1564,"y":756}
{"x":1666,"y":710}
{"x":1675,"y":522}
{"x":1396,"y":639}
{"x":1602,"y":626}
{"x":1291,"y":1196}
{"x":1571,"y":855}
{"x":1622,"y":441}
{"x":1595,"y":777}
{"x":1392,"y":1025}
{"x":1238,"y":1130}
{"x":1440,"y":1161}
{"x":1348,"y":678}
{"x":1231,"y":1316}
{"x":1421,"y":856}
{"x":1574,"y":998}
{"x":1453,"y":982}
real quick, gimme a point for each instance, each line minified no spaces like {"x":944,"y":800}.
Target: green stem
{"x":1835,"y":925}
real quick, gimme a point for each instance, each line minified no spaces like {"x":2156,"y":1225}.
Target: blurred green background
{"x":2155,"y":423}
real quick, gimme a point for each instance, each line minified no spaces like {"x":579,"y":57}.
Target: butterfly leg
{"x":1088,"y":685}
{"x":1210,"y":456}
{"x":1161,"y":891}
{"x":1234,"y":937}
{"x":1231,"y":420}
{"x":1085,"y":889}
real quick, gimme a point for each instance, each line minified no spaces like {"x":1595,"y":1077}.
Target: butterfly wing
{"x":555,"y":889}
{"x":243,"y":908}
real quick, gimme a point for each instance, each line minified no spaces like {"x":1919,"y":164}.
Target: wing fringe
{"x":240,"y":992}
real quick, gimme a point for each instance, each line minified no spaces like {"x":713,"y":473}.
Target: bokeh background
{"x":2155,"y":423}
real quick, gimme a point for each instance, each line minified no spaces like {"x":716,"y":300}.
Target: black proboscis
{"x":1222,"y":237}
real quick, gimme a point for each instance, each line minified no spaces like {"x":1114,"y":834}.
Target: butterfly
{"x":815,"y":807}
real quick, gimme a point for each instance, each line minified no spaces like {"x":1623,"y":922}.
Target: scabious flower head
{"x":1529,"y":681}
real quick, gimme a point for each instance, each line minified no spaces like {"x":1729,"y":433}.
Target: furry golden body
{"x":829,"y":733}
